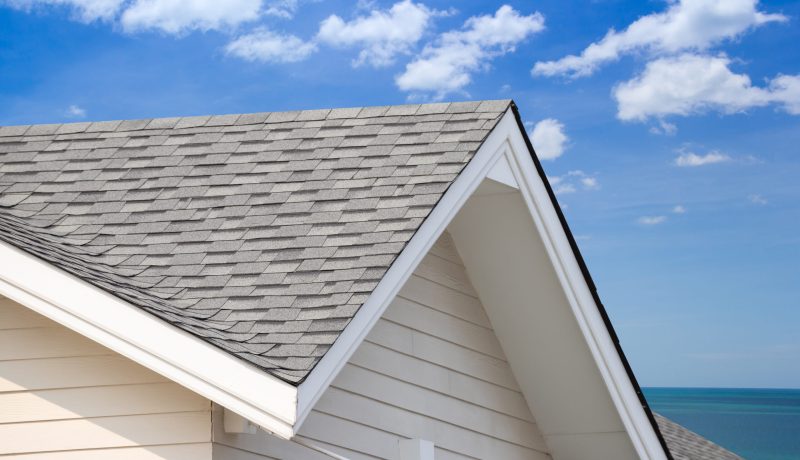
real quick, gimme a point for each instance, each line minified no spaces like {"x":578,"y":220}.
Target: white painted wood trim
{"x":462,"y":188}
{"x":501,"y":172}
{"x":416,"y":449}
{"x":581,"y":301}
{"x":503,"y":151}
{"x":235,"y":423}
{"x":149,"y":341}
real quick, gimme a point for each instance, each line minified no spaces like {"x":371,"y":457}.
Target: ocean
{"x":756,"y":424}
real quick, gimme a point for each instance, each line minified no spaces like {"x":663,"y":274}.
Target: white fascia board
{"x":451,"y":202}
{"x":148,"y":340}
{"x":582,"y":302}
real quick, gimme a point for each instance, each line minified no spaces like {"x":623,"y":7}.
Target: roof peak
{"x":197,"y":121}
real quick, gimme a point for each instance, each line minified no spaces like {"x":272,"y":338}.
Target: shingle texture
{"x":687,"y":445}
{"x":261,"y":233}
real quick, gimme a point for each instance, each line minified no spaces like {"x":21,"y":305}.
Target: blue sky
{"x":673,"y":141}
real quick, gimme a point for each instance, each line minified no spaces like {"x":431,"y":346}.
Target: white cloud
{"x":651,"y":220}
{"x":679,"y":210}
{"x":685,"y":25}
{"x":590,"y":183}
{"x":548,"y":139}
{"x":84,"y":10}
{"x":690,"y":84}
{"x":285,"y":9}
{"x":665,"y":128}
{"x":447,"y":65}
{"x":691,"y":159}
{"x":758,"y":199}
{"x":75,"y":111}
{"x":180,"y":16}
{"x":572,"y":181}
{"x":266,"y":46}
{"x":382,"y":34}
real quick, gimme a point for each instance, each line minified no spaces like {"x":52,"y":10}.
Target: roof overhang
{"x":149,"y":341}
{"x":506,"y":157}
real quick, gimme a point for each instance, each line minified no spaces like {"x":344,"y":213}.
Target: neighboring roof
{"x":262,"y":233}
{"x":687,"y":445}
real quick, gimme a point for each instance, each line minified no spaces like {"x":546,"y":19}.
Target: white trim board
{"x":586,"y":310}
{"x":149,"y":341}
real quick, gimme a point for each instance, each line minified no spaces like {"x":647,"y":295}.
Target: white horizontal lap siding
{"x":431,"y":368}
{"x":64,"y":397}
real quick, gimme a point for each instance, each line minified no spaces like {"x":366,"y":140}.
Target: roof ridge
{"x":248,"y":118}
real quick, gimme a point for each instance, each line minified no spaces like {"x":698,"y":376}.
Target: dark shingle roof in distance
{"x":260,"y":233}
{"x":687,"y":445}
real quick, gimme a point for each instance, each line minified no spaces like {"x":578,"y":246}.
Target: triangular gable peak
{"x":525,"y":267}
{"x":498,"y":208}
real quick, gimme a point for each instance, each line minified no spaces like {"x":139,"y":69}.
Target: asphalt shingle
{"x":260,"y":233}
{"x":687,"y":445}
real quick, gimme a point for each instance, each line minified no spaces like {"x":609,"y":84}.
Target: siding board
{"x":64,"y":397}
{"x":171,"y":452}
{"x":98,"y":401}
{"x":105,"y":432}
{"x":431,"y":368}
{"x":72,"y":372}
{"x":35,"y":343}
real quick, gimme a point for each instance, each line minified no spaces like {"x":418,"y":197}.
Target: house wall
{"x":431,"y":368}
{"x":64,"y":397}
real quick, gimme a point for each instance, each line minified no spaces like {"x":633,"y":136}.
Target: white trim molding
{"x":149,"y":341}
{"x":585,"y":309}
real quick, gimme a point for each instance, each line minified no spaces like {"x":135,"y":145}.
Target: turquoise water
{"x":756,"y":424}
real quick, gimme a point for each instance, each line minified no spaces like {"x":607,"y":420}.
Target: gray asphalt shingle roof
{"x":687,"y":445}
{"x":261,"y":233}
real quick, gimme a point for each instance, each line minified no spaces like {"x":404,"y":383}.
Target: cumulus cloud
{"x":285,"y":9}
{"x":573,"y":181}
{"x":75,"y":111}
{"x":267,"y":46}
{"x":84,"y":10}
{"x":447,"y":65}
{"x":180,"y":16}
{"x":691,"y":159}
{"x":758,"y":199}
{"x":382,"y":34}
{"x":664,"y":127}
{"x":685,"y":25}
{"x":651,"y":220}
{"x":548,"y":139}
{"x":691,"y":84}
{"x":679,"y":210}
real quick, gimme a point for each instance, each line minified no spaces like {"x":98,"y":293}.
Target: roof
{"x":687,"y":445}
{"x":261,"y":233}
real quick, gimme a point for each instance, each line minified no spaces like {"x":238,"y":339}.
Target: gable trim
{"x":582,"y":297}
{"x":506,"y":156}
{"x":434,"y":225}
{"x":149,"y":341}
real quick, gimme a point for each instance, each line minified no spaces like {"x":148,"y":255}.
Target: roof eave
{"x":148,"y":340}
